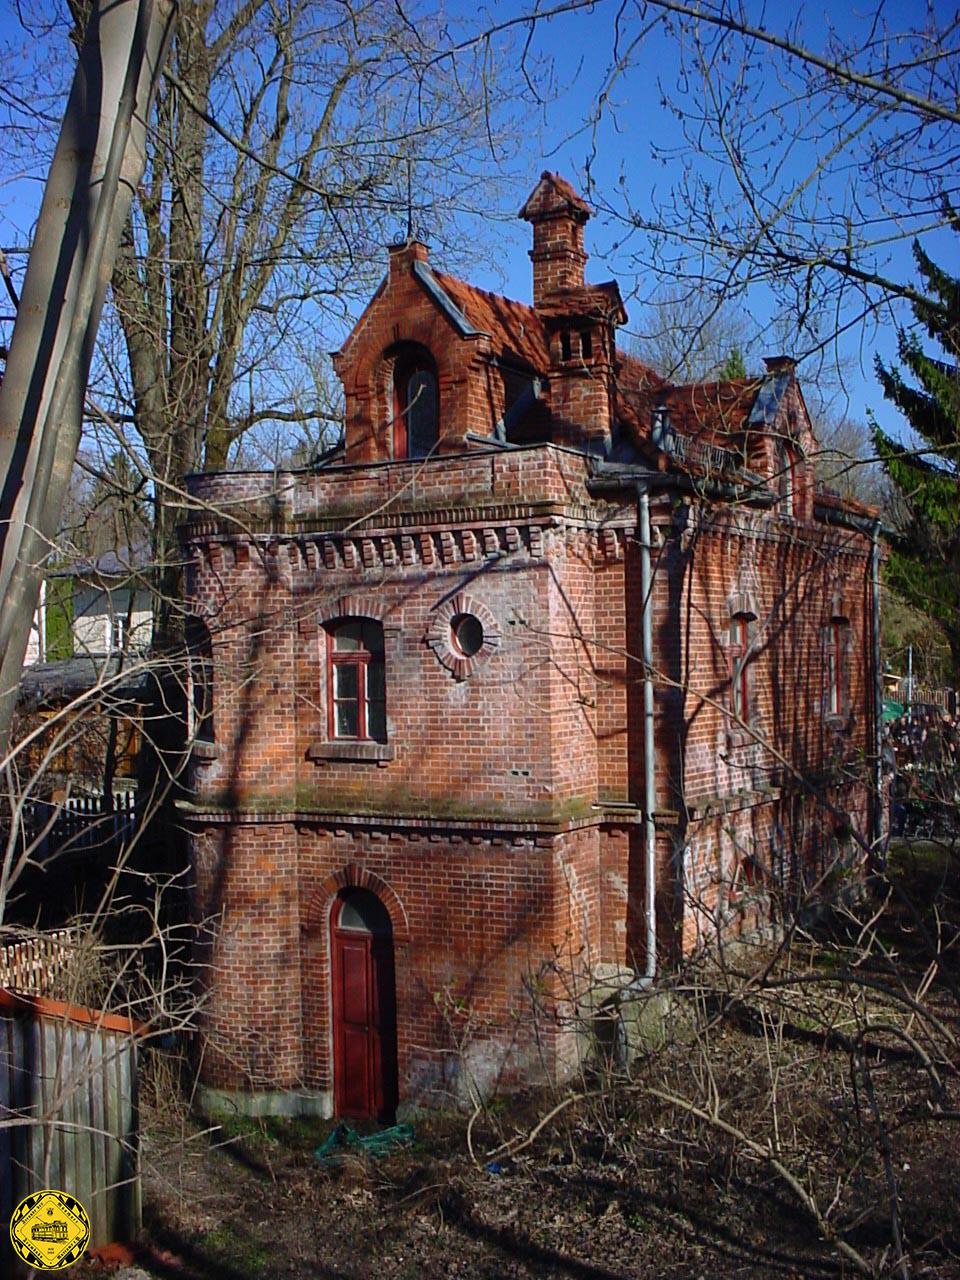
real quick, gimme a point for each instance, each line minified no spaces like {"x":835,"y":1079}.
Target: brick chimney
{"x":558,"y":216}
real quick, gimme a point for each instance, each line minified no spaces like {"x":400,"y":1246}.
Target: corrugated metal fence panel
{"x":68,"y":1116}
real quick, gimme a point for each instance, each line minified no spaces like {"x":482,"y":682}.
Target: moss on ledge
{"x":397,"y":803}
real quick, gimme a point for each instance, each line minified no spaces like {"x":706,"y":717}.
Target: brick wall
{"x":487,"y":821}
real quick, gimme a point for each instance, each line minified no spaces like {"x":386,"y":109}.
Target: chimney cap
{"x":780,"y":364}
{"x":554,"y":196}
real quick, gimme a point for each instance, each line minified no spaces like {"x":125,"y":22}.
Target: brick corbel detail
{"x":353,"y":876}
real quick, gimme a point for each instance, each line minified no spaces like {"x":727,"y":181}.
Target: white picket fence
{"x":82,"y":825}
{"x":32,"y":965}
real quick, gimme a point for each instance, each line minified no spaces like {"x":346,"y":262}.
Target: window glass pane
{"x":373,"y":637}
{"x":377,"y":720}
{"x":376,"y":683}
{"x":361,"y":910}
{"x":347,"y":720}
{"x":421,"y":407}
{"x":467,"y":632}
{"x":346,"y":683}
{"x":348,"y":636}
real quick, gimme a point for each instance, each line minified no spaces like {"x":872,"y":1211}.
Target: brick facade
{"x":500,"y":818}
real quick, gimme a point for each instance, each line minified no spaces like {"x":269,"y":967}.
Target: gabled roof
{"x":427,"y":277}
{"x":767,"y":404}
{"x":701,"y":418}
{"x":711,"y":409}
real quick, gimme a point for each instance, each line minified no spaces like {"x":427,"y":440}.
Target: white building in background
{"x":37,"y":644}
{"x":93,"y":608}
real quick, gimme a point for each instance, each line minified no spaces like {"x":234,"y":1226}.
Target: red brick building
{"x":553,"y":671}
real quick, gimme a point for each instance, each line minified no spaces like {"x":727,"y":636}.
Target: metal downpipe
{"x":649,"y":757}
{"x":876,"y":841}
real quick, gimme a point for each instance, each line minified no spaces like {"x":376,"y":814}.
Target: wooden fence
{"x":81,"y":825}
{"x":33,"y":966}
{"x":68,"y":1113}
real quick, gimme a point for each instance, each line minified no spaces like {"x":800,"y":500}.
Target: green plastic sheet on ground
{"x":345,"y":1143}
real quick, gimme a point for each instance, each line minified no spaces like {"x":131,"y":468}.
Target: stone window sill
{"x":376,"y":752}
{"x":741,"y":738}
{"x":204,"y":752}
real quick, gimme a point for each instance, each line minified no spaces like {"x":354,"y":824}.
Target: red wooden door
{"x":364,"y":1021}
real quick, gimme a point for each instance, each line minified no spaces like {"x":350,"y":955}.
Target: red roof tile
{"x":709,"y":413}
{"x":711,"y":410}
{"x":514,"y":328}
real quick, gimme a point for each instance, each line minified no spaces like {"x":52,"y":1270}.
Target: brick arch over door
{"x":354,"y":876}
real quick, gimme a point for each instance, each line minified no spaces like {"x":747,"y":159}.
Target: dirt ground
{"x":848,"y":1087}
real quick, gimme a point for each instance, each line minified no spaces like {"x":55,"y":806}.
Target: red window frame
{"x":739,"y":658}
{"x":405,"y":373}
{"x":363,"y":660}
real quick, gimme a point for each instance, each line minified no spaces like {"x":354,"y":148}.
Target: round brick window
{"x":463,"y":634}
{"x":466,"y":634}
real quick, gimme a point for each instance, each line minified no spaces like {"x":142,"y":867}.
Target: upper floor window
{"x":416,"y":414}
{"x":356,"y":684}
{"x":739,"y":655}
{"x":789,"y":465}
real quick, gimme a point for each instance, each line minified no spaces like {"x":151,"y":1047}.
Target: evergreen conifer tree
{"x":924,"y":566}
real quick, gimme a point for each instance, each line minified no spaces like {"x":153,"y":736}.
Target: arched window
{"x":416,"y":412}
{"x":789,"y":463}
{"x":356,"y":680}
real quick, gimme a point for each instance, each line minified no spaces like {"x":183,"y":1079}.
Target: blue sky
{"x":638,"y":151}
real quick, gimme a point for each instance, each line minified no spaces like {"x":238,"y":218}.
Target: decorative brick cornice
{"x":302,"y":560}
{"x":768,"y":527}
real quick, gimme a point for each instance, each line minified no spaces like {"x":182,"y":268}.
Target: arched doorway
{"x":364,"y":1007}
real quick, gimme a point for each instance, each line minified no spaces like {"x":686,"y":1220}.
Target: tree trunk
{"x":98,"y":161}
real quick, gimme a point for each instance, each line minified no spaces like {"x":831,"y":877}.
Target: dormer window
{"x":586,"y":344}
{"x":416,"y":417}
{"x":566,"y":347}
